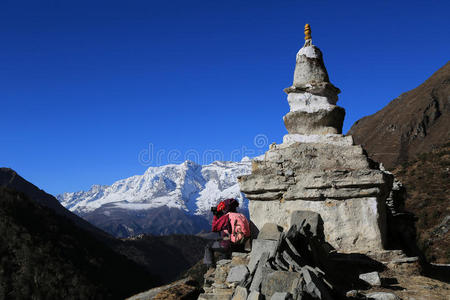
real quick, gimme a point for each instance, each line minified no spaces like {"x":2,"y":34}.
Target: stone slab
{"x":237,"y":274}
{"x":281,"y":296}
{"x":260,"y":272}
{"x":335,"y":139}
{"x":258,"y":248}
{"x":254,"y":296}
{"x":307,"y":220}
{"x":240,"y":293}
{"x":270,"y":231}
{"x":382,"y":296}
{"x":371,"y":278}
{"x":279,"y":281}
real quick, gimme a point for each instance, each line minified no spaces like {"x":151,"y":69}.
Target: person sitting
{"x":233,"y":228}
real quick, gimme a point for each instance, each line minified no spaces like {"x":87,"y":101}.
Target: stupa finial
{"x":307,"y":32}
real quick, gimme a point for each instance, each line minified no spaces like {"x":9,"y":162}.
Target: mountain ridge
{"x":12,"y":180}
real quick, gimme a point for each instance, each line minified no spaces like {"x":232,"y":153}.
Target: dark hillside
{"x":45,"y":256}
{"x":10,"y":179}
{"x":411,"y":124}
{"x":167,"y":256}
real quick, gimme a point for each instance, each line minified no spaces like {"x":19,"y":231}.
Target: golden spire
{"x":307,"y":32}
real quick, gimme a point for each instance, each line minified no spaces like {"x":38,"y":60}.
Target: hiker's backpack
{"x":240,"y":229}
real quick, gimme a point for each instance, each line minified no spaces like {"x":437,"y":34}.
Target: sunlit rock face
{"x":316,"y":168}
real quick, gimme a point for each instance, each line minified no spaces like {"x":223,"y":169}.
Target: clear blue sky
{"x":87,"y":86}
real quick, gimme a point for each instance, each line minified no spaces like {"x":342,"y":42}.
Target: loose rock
{"x":254,"y":296}
{"x":270,"y":231}
{"x":382,"y":296}
{"x":237,"y":274}
{"x":258,"y":248}
{"x":281,"y":296}
{"x":371,"y":278}
{"x":240,"y":293}
{"x":278,"y":281}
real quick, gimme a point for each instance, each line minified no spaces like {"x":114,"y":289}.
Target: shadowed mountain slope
{"x":10,"y":179}
{"x":415,"y":122}
{"x":43,"y":255}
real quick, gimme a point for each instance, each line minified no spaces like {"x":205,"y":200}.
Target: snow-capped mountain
{"x":147,"y":203}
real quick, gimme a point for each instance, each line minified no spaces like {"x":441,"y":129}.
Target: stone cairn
{"x":318,"y":205}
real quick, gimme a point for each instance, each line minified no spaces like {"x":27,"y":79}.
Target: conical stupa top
{"x":309,"y":68}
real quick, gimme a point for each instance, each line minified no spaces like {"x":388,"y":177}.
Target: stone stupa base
{"x":335,"y":180}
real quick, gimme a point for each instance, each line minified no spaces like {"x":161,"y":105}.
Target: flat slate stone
{"x":214,"y":297}
{"x":223,"y":262}
{"x":314,"y":285}
{"x":371,"y":278}
{"x":254,"y":296}
{"x":239,"y":258}
{"x":382,"y":296}
{"x":281,"y":296}
{"x":238,"y":254}
{"x":309,"y":219}
{"x":261,"y":270}
{"x":240,"y":293}
{"x":279,"y":281}
{"x":237,"y":274}
{"x":270,"y":231}
{"x":258,"y":248}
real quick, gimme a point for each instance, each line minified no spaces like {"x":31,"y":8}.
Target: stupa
{"x":316,"y":168}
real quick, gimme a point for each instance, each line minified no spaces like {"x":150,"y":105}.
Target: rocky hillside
{"x":171,"y":199}
{"x":413,"y":123}
{"x":427,"y":180}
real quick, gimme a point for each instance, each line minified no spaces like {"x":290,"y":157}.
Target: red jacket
{"x":220,"y":224}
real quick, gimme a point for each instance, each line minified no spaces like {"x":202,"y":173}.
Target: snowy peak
{"x":188,"y":186}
